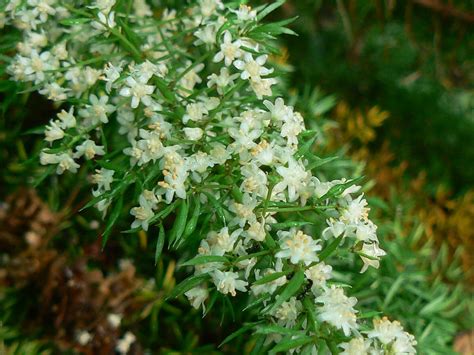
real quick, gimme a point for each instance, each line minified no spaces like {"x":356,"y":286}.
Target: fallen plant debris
{"x":83,"y":306}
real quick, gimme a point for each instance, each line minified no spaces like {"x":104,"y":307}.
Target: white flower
{"x":335,"y":228}
{"x":195,"y":112}
{"x":123,"y":344}
{"x":60,"y":51}
{"x":295,"y":178}
{"x":223,"y":242}
{"x":255,"y":180}
{"x":208,"y":7}
{"x":112,"y":73}
{"x":54,"y":92}
{"x":103,"y":204}
{"x":298,"y":247}
{"x":288,"y":312}
{"x":114,"y":319}
{"x":53,"y":132}
{"x":228,"y":282}
{"x":244,"y":138}
{"x":65,"y":162}
{"x":205,"y":35}
{"x":90,"y":76}
{"x":356,"y":346}
{"x":105,"y":22}
{"x":42,"y":8}
{"x":197,"y":296}
{"x":356,"y":210}
{"x":98,"y":110}
{"x":89,"y":149}
{"x":404,"y":344}
{"x":263,"y":87}
{"x":318,"y":274}
{"x":244,"y":211}
{"x":103,"y":178}
{"x":256,"y":231}
{"x":292,"y":127}
{"x":337,"y":309}
{"x":252,"y":68}
{"x":385,"y":331}
{"x":373,"y":253}
{"x":141,"y":8}
{"x":134,"y":152}
{"x":219,"y":153}
{"x":190,"y":79}
{"x":366,"y":232}
{"x":145,"y":71}
{"x":221,"y":81}
{"x":66,"y":119}
{"x":103,"y":5}
{"x":150,"y":145}
{"x":245,"y":13}
{"x":83,"y":337}
{"x":278,"y":111}
{"x":142,"y":214}
{"x":175,"y":175}
{"x":229,"y":50}
{"x":37,"y":64}
{"x":193,"y":134}
{"x":138,"y":90}
{"x":320,"y":188}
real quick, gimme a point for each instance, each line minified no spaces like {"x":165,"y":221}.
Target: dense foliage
{"x":228,"y":196}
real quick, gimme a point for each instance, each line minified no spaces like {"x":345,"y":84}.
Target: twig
{"x":446,"y":10}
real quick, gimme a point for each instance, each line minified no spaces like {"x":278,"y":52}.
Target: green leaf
{"x":370,"y":314}
{"x":320,"y":162}
{"x":204,"y":259}
{"x":246,"y":327}
{"x":191,"y":225}
{"x":187,"y":284}
{"x":217,"y":206}
{"x":165,"y":91}
{"x":332,"y":347}
{"x":114,"y":215}
{"x":337,"y":190}
{"x":179,"y":223}
{"x":284,"y":346}
{"x":270,"y":8}
{"x":330,"y":248}
{"x":257,"y":301}
{"x":291,"y":288}
{"x":276,"y":329}
{"x":48,"y":171}
{"x":159,"y":243}
{"x":74,"y":21}
{"x":286,"y":225}
{"x":310,"y":308}
{"x":306,"y":146}
{"x":435,"y":306}
{"x":393,"y":290}
{"x":271,"y":277}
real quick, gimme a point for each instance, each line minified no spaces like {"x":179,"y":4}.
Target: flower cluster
{"x":184,"y":107}
{"x":386,"y":337}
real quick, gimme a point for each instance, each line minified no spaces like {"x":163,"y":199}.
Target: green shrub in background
{"x":409,"y":58}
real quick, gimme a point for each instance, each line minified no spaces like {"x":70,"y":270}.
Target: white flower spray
{"x":186,"y":109}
